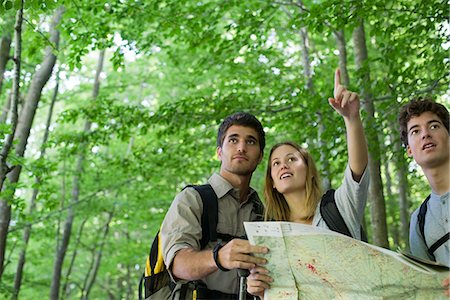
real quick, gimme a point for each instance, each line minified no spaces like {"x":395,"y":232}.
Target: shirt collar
{"x":436,"y":197}
{"x":222,"y":187}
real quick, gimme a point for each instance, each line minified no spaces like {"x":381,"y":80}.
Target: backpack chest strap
{"x":438,"y":243}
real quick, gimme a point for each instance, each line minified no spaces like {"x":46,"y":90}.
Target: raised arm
{"x":346,"y":103}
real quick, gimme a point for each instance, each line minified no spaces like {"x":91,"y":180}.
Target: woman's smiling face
{"x":288,"y":169}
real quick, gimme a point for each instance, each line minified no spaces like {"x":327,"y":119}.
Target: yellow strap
{"x":160,"y":261}
{"x":159,"y":266}
{"x":194,"y":295}
{"x":147,"y":267}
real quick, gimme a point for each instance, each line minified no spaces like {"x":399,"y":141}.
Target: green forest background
{"x":109,"y":108}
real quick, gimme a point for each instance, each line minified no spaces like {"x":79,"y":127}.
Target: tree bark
{"x":342,"y":48}
{"x":92,"y":275}
{"x":402,"y":179}
{"x":5,"y":207}
{"x":304,"y":44}
{"x":27,"y":230}
{"x":61,"y":251}
{"x":72,"y":260}
{"x":6,"y":109}
{"x":5,"y":47}
{"x":391,"y":206}
{"x":378,"y":207}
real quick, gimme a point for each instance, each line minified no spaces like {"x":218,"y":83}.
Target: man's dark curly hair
{"x":242,"y":119}
{"x":415,"y":108}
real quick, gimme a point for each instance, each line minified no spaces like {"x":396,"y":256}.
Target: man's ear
{"x":408,"y":151}
{"x":219,"y":152}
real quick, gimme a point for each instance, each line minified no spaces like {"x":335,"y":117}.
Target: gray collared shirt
{"x":436,"y":226}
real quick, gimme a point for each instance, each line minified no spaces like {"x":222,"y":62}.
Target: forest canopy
{"x":110,"y":108}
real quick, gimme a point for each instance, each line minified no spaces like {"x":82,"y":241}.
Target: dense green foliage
{"x":174,"y":69}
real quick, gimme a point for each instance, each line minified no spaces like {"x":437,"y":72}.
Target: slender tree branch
{"x":43,"y":35}
{"x":57,"y":212}
{"x":435,"y":84}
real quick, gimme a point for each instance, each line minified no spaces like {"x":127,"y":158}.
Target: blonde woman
{"x":292,"y":188}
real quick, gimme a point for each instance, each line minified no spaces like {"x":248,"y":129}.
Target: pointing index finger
{"x":337,"y":79}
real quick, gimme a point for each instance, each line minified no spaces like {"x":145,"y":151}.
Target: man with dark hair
{"x":242,"y":119}
{"x":424,"y":130}
{"x":212,"y":272}
{"x":414,"y":109}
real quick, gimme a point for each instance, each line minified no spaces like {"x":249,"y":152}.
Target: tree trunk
{"x":402,"y":171}
{"x":64,"y":289}
{"x":92,"y":275}
{"x":6,"y":108}
{"x":5,"y":208}
{"x":5,"y":47}
{"x":27,"y":230}
{"x":326,"y":177}
{"x":342,"y":48}
{"x":304,"y":45}
{"x":61,"y":251}
{"x":378,"y":207}
{"x":61,"y":206}
{"x":391,"y":205}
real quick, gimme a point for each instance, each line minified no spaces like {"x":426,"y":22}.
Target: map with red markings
{"x":307,"y":262}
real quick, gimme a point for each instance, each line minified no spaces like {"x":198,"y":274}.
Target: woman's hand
{"x":345,"y":102}
{"x":258,"y":281}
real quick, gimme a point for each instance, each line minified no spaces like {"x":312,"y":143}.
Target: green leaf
{"x":17,"y":4}
{"x":7,"y":5}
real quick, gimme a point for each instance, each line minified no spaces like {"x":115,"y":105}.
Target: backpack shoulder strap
{"x":209,"y":214}
{"x":331,"y":214}
{"x":258,"y":209}
{"x":155,"y":254}
{"x":421,"y":218}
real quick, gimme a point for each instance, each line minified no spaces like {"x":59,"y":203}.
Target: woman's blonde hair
{"x":277,"y":208}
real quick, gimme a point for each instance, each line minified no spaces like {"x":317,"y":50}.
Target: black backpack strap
{"x":258,"y":209}
{"x":154,"y":254}
{"x":183,"y":291}
{"x":331,"y":215}
{"x":209,"y":214}
{"x":421,"y":218}
{"x":438,"y":243}
{"x":141,"y":284}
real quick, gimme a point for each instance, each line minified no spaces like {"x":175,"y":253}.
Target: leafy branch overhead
{"x":122,"y":112}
